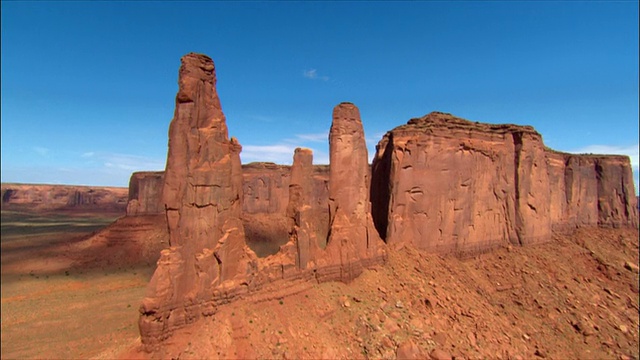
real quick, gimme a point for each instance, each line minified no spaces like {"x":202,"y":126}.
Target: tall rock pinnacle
{"x":352,"y":229}
{"x":202,"y":197}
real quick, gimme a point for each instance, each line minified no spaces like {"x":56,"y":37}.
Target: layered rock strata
{"x":266,"y":195}
{"x":448,"y":185}
{"x":302,"y":220}
{"x":265,"y":188}
{"x":441,"y":183}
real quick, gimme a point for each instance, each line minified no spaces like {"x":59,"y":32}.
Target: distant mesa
{"x":40,"y":197}
{"x":440,"y":183}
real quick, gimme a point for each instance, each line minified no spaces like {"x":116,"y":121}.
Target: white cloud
{"x":130,"y":162}
{"x":310,"y":74}
{"x":42,"y":151}
{"x":317,"y":137}
{"x":631,"y":151}
{"x":278,"y":153}
{"x":261,"y":118}
{"x":88,"y":154}
{"x":374,"y":139}
{"x":313,"y":74}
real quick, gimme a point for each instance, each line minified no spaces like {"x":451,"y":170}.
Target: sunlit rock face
{"x":352,"y":234}
{"x":449,"y":185}
{"x":588,"y":190}
{"x":202,"y":198}
{"x":36,"y":197}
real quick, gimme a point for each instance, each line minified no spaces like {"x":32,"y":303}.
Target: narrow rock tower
{"x":202,"y":197}
{"x":352,"y":235}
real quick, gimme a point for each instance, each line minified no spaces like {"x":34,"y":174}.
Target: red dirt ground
{"x":574,"y":297}
{"x":54,"y":306}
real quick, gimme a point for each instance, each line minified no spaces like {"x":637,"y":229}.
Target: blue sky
{"x":88,"y":88}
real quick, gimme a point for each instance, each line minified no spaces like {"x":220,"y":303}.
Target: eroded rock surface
{"x":449,"y":185}
{"x":208,"y":262}
{"x":352,"y":235}
{"x":145,"y":192}
{"x":202,"y":196}
{"x":266,"y":187}
{"x":439,"y":183}
{"x":591,"y":190}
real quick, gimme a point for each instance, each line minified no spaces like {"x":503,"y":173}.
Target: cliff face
{"x":63,"y":197}
{"x":352,"y":238}
{"x":266,"y":187}
{"x":449,"y":185}
{"x":591,"y":190}
{"x":145,"y":190}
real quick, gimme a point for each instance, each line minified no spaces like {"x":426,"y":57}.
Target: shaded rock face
{"x":32,"y":197}
{"x":449,"y":185}
{"x":145,"y":191}
{"x":266,"y":187}
{"x":299,"y":209}
{"x":591,"y":190}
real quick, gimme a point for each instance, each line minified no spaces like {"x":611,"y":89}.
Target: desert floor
{"x":575,"y":297}
{"x":51,"y":306}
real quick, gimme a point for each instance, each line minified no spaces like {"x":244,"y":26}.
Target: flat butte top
{"x":437,"y":121}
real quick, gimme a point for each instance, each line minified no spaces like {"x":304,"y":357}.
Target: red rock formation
{"x":145,"y":191}
{"x":266,"y":194}
{"x":589,"y":190}
{"x":453,"y":186}
{"x":617,"y":203}
{"x":202,"y":195}
{"x":129,"y":241}
{"x":441,"y":183}
{"x":352,"y":236}
{"x":34,"y":197}
{"x":208,"y":262}
{"x":305,"y":221}
{"x":266,"y":188}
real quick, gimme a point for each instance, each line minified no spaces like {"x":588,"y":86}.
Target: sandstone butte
{"x":440,"y":183}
